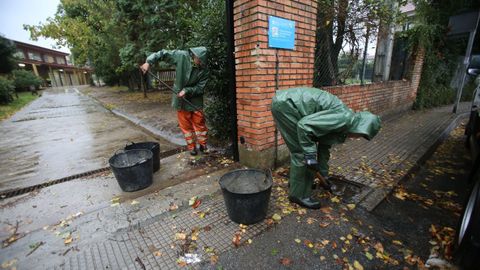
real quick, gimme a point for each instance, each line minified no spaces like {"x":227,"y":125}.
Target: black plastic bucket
{"x":152,"y":146}
{"x":246,"y":193}
{"x":133,"y":169}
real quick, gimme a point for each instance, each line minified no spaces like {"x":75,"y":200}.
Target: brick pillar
{"x":255,"y":71}
{"x":415,"y":73}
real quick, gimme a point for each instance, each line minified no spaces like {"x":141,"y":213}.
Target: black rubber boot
{"x":309,"y":202}
{"x":193,"y":152}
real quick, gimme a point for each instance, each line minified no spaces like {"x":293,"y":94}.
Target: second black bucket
{"x":133,"y":169}
{"x":152,"y":146}
{"x":246,"y":193}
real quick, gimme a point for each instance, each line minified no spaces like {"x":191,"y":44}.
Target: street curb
{"x":147,"y":127}
{"x":134,"y":120}
{"x":372,"y":197}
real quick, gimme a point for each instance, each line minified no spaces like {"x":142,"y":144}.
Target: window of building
{"x":60,"y":60}
{"x":34,"y":56}
{"x":19,"y":55}
{"x":49,"y":59}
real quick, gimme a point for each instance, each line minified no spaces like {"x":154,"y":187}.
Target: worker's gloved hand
{"x":311,"y":161}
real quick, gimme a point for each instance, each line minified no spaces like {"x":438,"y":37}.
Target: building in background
{"x":54,"y":67}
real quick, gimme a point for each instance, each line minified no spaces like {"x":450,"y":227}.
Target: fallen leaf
{"x":302,"y":211}
{"x":326,"y":210}
{"x":397,"y":242}
{"x":192,"y":200}
{"x":134,"y":202}
{"x":379,"y":247}
{"x":196,"y":204}
{"x":213,"y":259}
{"x":180,"y":236}
{"x":157,"y":254}
{"x":369,"y":255}
{"x":335,"y":199}
{"x":68,"y":240}
{"x":269,"y":221}
{"x":357,"y":265}
{"x":274,"y":252}
{"x":324,"y":224}
{"x":351,"y":206}
{"x":236,"y":239}
{"x":298,"y":241}
{"x":310,"y":221}
{"x":276,"y":217}
{"x":9,"y":263}
{"x":285,"y":261}
{"x":389,"y":233}
{"x":172,"y":207}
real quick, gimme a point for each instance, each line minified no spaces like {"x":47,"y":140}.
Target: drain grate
{"x":20,"y":191}
{"x":16,"y":192}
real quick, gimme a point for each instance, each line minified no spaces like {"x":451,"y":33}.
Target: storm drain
{"x":20,"y":191}
{"x":16,"y":192}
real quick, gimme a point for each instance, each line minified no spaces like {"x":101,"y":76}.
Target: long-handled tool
{"x":327,"y":185}
{"x":176,"y":93}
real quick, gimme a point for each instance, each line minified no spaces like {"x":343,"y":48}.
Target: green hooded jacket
{"x":188,"y":77}
{"x":322,"y":117}
{"x":312,"y":120}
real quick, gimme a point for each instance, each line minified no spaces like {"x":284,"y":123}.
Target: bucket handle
{"x":119,"y":150}
{"x":138,"y":162}
{"x":129,"y":143}
{"x":268,"y":175}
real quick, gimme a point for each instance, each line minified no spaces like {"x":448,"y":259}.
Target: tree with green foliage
{"x":24,"y":79}
{"x":7,"y":59}
{"x":343,"y":25}
{"x":442,"y":52}
{"x":7,"y":89}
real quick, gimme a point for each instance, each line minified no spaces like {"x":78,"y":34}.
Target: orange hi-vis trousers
{"x":193,"y":126}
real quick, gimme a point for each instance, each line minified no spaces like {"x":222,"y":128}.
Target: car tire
{"x":467,"y":253}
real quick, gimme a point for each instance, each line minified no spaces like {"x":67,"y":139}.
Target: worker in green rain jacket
{"x":311,"y":121}
{"x":191,"y":76}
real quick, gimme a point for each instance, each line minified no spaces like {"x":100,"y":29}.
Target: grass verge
{"x":23,"y":99}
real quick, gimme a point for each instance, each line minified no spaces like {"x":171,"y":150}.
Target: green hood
{"x":365,"y":123}
{"x":201,"y":53}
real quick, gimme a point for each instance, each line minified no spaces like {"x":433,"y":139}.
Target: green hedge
{"x":23,"y":79}
{"x":7,"y":90}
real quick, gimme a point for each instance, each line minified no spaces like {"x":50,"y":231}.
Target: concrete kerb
{"x":138,"y":122}
{"x":370,"y":198}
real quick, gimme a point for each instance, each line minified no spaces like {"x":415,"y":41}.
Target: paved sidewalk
{"x":372,"y":168}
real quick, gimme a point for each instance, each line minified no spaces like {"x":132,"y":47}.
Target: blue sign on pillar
{"x":281,"y":33}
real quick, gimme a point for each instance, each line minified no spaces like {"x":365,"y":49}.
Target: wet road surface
{"x":60,"y":134}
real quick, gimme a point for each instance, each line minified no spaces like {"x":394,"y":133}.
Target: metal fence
{"x":354,"y":48}
{"x":165,"y":75}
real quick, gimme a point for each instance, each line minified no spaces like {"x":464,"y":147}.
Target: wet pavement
{"x":89,"y":223}
{"x":60,"y":134}
{"x":415,"y":223}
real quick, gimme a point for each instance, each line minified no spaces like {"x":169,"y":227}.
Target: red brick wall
{"x":382,"y":97}
{"x":255,"y":62}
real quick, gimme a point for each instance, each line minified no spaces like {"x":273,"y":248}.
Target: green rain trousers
{"x":311,"y":121}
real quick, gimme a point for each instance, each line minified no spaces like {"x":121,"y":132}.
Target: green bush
{"x":23,"y":79}
{"x":6,"y":90}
